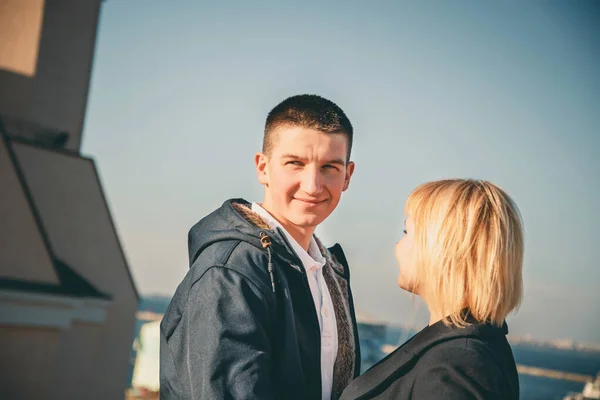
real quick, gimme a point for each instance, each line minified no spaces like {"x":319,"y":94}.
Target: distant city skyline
{"x":504,"y":92}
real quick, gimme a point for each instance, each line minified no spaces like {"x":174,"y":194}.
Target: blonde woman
{"x":463,"y":254}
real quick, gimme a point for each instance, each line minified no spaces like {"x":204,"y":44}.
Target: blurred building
{"x":67,"y":298}
{"x":146,"y":369}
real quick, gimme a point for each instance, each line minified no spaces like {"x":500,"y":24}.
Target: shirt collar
{"x":309,"y":259}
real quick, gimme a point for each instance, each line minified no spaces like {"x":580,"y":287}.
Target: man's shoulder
{"x":235,"y":255}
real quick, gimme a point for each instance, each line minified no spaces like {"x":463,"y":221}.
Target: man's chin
{"x":308,"y":221}
{"x":310,"y":217}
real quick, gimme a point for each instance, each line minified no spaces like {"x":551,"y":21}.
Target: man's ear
{"x":349,"y":172}
{"x":261,"y":160}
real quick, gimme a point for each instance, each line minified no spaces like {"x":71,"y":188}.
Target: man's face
{"x":304,"y":176}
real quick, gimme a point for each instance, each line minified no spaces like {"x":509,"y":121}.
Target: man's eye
{"x":404,"y":231}
{"x":293,"y":163}
{"x":329,"y":167}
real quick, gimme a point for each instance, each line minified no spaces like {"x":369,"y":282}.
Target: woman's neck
{"x":433,"y":316}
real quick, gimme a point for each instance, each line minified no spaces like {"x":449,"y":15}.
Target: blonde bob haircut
{"x":468,"y":249}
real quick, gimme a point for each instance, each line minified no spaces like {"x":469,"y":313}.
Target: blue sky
{"x":505,"y":92}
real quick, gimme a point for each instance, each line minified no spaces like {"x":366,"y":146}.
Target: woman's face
{"x":404,"y":257}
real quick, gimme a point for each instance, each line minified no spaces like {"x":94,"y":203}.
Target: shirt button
{"x":325,"y":312}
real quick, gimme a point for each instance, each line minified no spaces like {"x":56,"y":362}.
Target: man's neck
{"x":300,"y":234}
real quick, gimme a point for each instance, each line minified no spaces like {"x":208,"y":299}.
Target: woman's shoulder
{"x":473,"y":366}
{"x":473,"y":352}
{"x":459,"y":351}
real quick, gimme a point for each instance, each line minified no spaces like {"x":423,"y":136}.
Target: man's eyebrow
{"x":289,"y":155}
{"x":338,"y":161}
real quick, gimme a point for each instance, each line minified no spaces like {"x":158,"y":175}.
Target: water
{"x":539,"y":388}
{"x":579,"y":362}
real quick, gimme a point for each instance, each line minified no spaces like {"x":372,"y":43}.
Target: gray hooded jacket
{"x":242,"y":323}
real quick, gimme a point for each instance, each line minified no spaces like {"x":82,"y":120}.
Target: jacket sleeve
{"x":222,"y":349}
{"x":457,"y":374}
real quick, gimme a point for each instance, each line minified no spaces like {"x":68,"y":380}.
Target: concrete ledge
{"x":91,"y":311}
{"x":49,"y":311}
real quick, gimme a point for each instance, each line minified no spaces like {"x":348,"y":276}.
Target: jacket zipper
{"x":307,"y":288}
{"x":265,"y":241}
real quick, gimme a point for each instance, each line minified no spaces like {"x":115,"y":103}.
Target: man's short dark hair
{"x":307,"y":111}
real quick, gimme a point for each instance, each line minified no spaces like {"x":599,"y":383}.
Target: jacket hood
{"x":232,"y":221}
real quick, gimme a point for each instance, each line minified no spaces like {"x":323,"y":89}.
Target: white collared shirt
{"x":313,"y":262}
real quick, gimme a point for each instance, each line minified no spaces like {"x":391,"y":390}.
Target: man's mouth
{"x":311,"y":202}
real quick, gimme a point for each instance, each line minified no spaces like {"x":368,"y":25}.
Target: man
{"x":265,"y":311}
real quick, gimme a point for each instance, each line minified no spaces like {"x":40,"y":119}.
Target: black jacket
{"x":236,"y":329}
{"x":444,"y":362}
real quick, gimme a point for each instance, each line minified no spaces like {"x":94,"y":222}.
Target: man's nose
{"x":311,"y":181}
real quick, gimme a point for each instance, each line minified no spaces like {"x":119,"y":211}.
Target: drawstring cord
{"x":266,"y":243}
